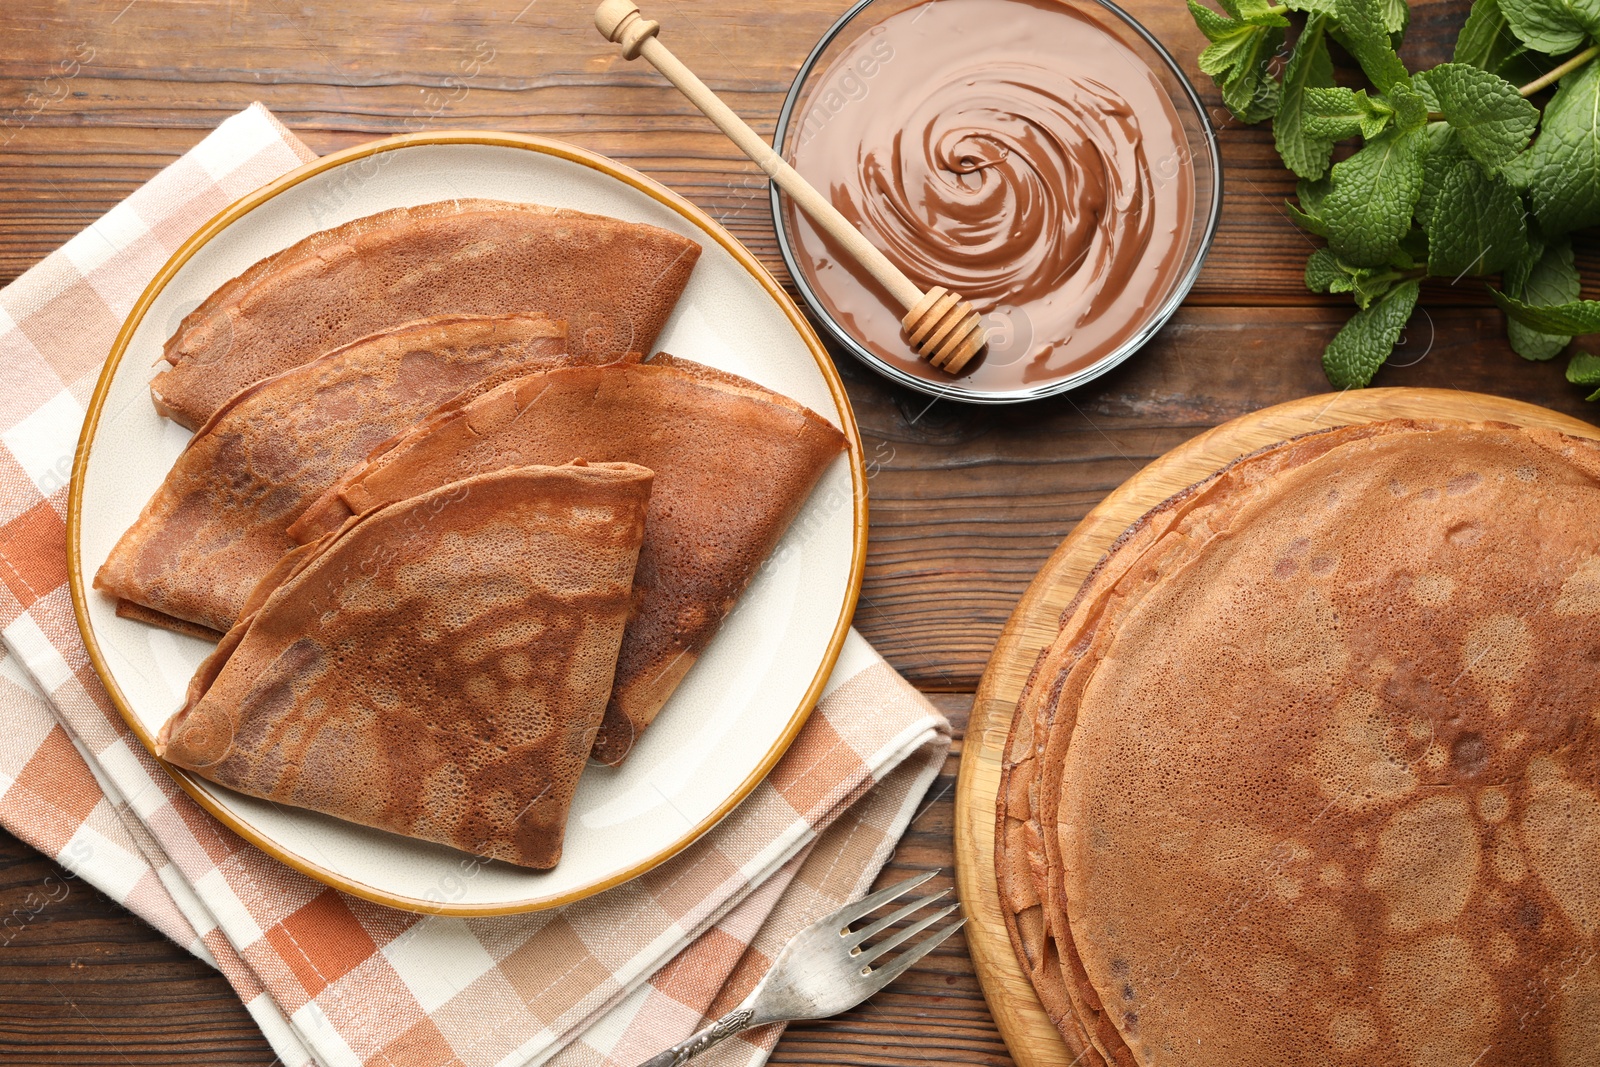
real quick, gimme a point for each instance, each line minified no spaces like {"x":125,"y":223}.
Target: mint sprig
{"x":1457,"y":172}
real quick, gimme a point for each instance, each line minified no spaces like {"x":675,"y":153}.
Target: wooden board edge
{"x":1028,"y":1032}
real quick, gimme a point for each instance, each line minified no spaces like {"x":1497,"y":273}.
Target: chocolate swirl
{"x":1002,"y":148}
{"x":1009,"y":184}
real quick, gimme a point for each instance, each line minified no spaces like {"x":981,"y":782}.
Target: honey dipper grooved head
{"x":944,"y":329}
{"x":620,"y":22}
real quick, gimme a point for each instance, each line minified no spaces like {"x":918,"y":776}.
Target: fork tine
{"x":882,"y":976}
{"x":904,"y":935}
{"x":851,"y":912}
{"x":858,"y":936}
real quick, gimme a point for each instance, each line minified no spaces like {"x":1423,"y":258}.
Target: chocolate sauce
{"x":1012,"y":150}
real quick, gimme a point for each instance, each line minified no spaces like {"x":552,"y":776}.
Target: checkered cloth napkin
{"x":331,"y":979}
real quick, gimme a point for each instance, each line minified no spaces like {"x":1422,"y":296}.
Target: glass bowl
{"x":1200,"y":156}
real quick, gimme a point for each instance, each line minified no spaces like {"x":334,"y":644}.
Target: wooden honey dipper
{"x":942,"y":327}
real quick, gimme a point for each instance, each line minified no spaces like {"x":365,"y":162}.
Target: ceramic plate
{"x":739,"y":707}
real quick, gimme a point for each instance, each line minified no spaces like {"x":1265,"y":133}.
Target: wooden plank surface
{"x":967,"y":503}
{"x":161,"y":72}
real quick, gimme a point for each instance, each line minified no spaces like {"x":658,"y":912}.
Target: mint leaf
{"x":1444,"y":152}
{"x":1552,"y":26}
{"x":1308,"y":213}
{"x":1310,"y":66}
{"x":1241,"y":70}
{"x":1519,"y":172}
{"x":1410,"y":107}
{"x":1565,"y":161}
{"x":1312,"y":194}
{"x":1307,"y":222}
{"x":1544,"y":277}
{"x":1396,"y":15}
{"x":1572,"y":318}
{"x":1476,"y":224}
{"x":1419,"y":81}
{"x":1584,"y":369}
{"x":1255,"y":12}
{"x":1336,"y":113}
{"x":1493,"y":120}
{"x":1359,"y":349}
{"x":1364,"y":34}
{"x":1216,"y":27}
{"x":1368,"y":284}
{"x":1239,"y":57}
{"x":1485,"y":41}
{"x":1373,"y":194}
{"x":1312,"y":7}
{"x":1323,"y":273}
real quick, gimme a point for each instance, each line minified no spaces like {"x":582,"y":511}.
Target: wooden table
{"x":966,"y":503}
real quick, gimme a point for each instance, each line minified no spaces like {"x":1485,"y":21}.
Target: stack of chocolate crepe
{"x":1311,"y":774}
{"x":453,"y":532}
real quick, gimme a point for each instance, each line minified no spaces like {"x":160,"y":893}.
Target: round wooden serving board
{"x":1029,"y":1034}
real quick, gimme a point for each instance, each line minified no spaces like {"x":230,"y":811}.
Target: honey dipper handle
{"x":621,"y":23}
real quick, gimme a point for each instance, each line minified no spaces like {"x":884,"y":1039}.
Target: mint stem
{"x":1562,"y":71}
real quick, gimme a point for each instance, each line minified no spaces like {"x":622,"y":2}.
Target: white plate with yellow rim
{"x":739,"y":707}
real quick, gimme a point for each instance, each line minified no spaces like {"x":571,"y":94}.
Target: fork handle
{"x":732,"y":1023}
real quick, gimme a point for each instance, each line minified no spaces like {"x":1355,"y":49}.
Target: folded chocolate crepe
{"x":733,"y":463}
{"x":613,"y":282}
{"x":1309,"y":775}
{"x":219,"y":521}
{"x":436,"y":668}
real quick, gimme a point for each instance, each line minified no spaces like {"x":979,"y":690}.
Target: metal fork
{"x":826,"y":969}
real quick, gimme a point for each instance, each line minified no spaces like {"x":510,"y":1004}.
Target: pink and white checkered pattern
{"x":331,"y":979}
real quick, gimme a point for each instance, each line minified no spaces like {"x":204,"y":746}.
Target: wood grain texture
{"x":160,"y":74}
{"x":83,"y":982}
{"x":967,"y":504}
{"x":1029,"y":1033}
